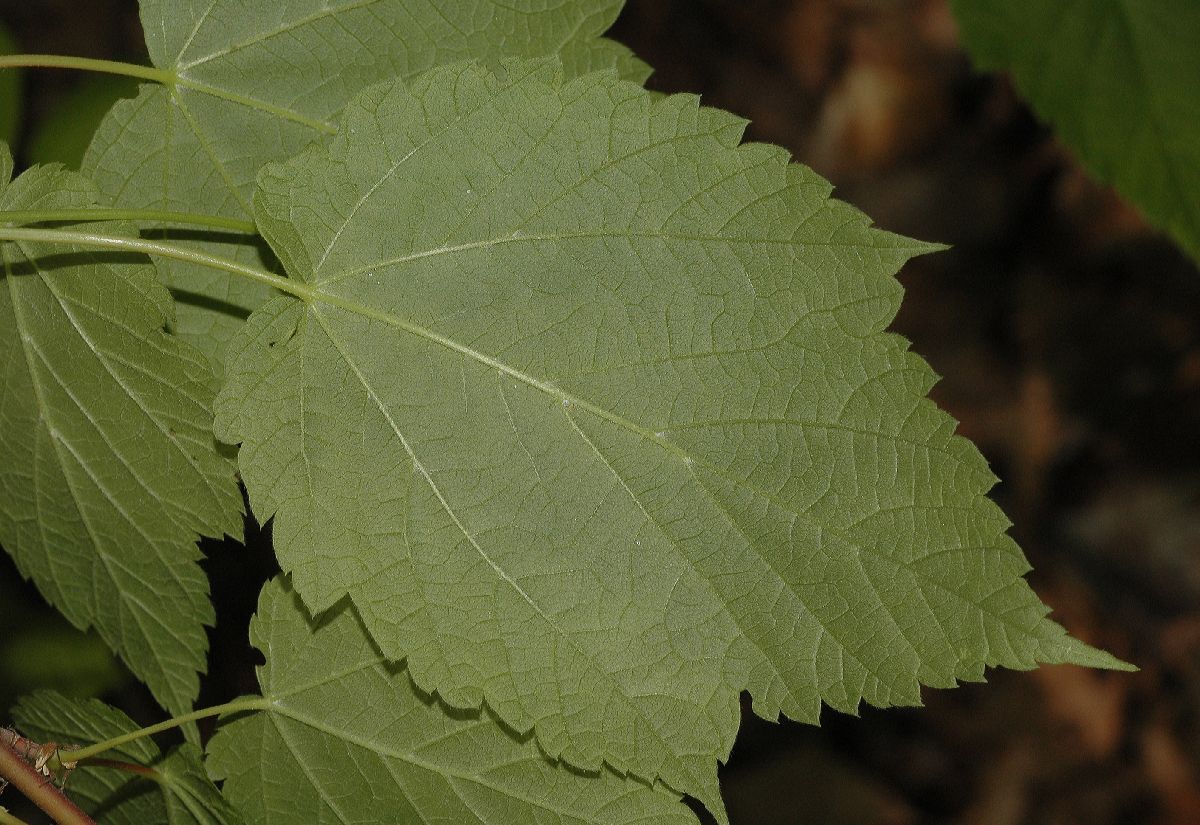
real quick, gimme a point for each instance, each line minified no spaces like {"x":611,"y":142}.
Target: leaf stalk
{"x":169,"y":79}
{"x":115,"y":243}
{"x":27,"y":216}
{"x":246,"y":703}
{"x":87,"y":64}
{"x":127,"y":767}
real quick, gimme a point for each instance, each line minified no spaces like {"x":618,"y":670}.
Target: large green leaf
{"x":175,"y":790}
{"x":591,"y":412}
{"x":346,"y":738}
{"x":1118,"y":79}
{"x":257,"y":82}
{"x":108,"y":468}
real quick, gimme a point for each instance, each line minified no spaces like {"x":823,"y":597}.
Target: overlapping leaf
{"x":108,"y":469}
{"x":257,"y":82}
{"x":176,"y":790}
{"x":592,"y":413}
{"x":1118,"y":80}
{"x":346,"y":738}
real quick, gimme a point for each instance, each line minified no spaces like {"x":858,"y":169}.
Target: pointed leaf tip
{"x":1075,"y":652}
{"x":598,"y":409}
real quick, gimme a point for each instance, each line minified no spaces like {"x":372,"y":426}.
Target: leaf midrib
{"x":520,"y":237}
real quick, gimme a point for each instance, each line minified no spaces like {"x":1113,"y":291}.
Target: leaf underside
{"x":593,"y":415}
{"x":257,"y":82}
{"x":1118,"y":80}
{"x":108,"y":469}
{"x":316,"y":756}
{"x":183,"y":794}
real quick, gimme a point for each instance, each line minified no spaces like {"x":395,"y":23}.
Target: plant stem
{"x":167,"y":78}
{"x":127,"y":767}
{"x":237,"y":705}
{"x":8,"y":819}
{"x":23,"y":216}
{"x":87,"y":64}
{"x":39,"y":789}
{"x":156,"y":248}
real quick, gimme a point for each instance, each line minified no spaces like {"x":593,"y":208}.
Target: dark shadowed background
{"x":1068,"y":335}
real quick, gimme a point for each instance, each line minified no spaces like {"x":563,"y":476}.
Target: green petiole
{"x":8,"y":819}
{"x":157,"y":249}
{"x":170,"y":79}
{"x":87,"y":64}
{"x":247,"y":703}
{"x":27,"y":216}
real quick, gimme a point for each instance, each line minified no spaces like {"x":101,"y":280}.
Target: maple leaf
{"x":592,"y":413}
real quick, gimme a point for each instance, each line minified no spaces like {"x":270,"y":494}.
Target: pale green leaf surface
{"x":1120,"y":82}
{"x":108,"y":469}
{"x":188,"y":794}
{"x":346,"y":738}
{"x":257,"y":82}
{"x":593,"y":415}
{"x":178,"y":792}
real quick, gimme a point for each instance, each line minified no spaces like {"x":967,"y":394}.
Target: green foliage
{"x":1118,"y":79}
{"x":245,"y":84}
{"x":630,"y":386}
{"x":175,"y":789}
{"x":588,"y":409}
{"x":316,"y":755}
{"x":108,"y":469}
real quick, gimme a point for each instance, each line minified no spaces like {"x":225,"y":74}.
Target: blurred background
{"x":1067,"y":333}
